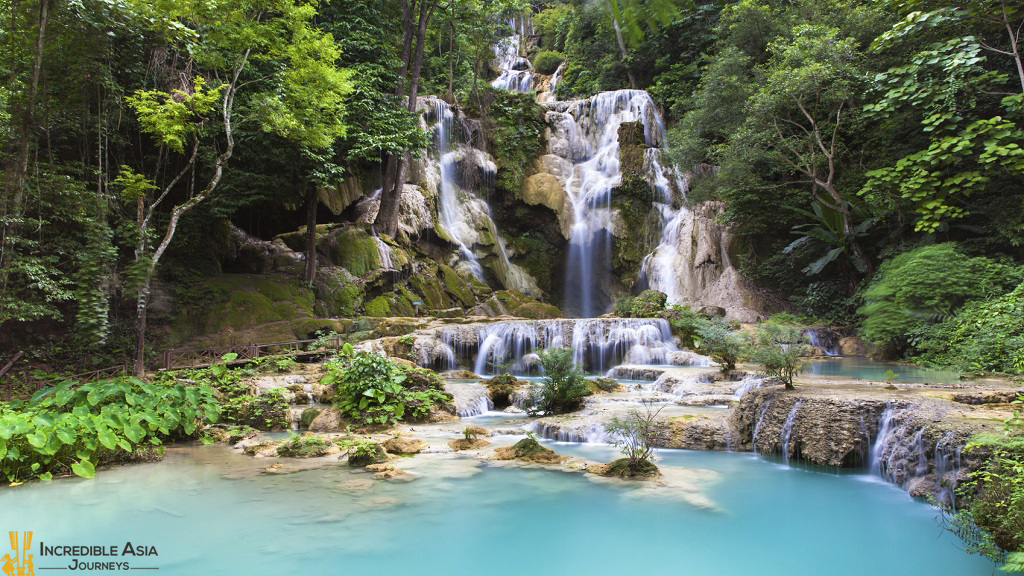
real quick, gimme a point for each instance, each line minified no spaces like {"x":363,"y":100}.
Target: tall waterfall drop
{"x":586,"y":134}
{"x":515,"y":69}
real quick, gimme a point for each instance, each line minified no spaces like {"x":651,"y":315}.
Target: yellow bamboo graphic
{"x":28,"y":540}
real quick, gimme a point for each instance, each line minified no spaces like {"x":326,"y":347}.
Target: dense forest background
{"x":867,"y":153}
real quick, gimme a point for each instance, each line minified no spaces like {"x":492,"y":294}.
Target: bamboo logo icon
{"x":21,"y":564}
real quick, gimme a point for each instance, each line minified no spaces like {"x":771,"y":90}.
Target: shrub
{"x":366,"y":453}
{"x":993,"y":498}
{"x":304,"y":447}
{"x":779,"y":350}
{"x":717,"y":340}
{"x":547,"y":61}
{"x":685,"y":323}
{"x":983,"y":336}
{"x":563,"y":388}
{"x":75,"y":427}
{"x":624,"y":306}
{"x":924,"y":286}
{"x":373,"y":390}
{"x":649,"y":304}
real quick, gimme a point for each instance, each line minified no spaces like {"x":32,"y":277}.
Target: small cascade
{"x":555,"y":79}
{"x":590,"y":130}
{"x":470,"y":399}
{"x":948,"y":463}
{"x":658,"y":269}
{"x":824,"y":339}
{"x":466,"y":218}
{"x":787,"y":430}
{"x":516,"y":74}
{"x":597,"y":344}
{"x":884,"y":439}
{"x":384,"y":253}
{"x":593,"y":433}
{"x":760,"y":419}
{"x":750,"y":382}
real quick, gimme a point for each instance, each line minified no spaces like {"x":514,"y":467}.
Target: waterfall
{"x":515,"y":70}
{"x":658,"y":269}
{"x":760,"y":419}
{"x":948,"y":461}
{"x":555,"y":79}
{"x":824,"y":339}
{"x":384,"y":253}
{"x":462,"y":215}
{"x":590,"y":129}
{"x":787,"y":430}
{"x":597,"y":344}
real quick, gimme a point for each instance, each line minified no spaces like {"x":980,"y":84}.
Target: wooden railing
{"x":181,"y":358}
{"x":176,"y":359}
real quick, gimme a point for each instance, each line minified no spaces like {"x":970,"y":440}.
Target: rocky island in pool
{"x":561,"y":287}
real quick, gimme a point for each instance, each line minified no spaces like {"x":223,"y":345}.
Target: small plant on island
{"x":563,"y":388}
{"x":636,"y":436}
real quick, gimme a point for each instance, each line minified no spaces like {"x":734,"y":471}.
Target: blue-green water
{"x":207,"y":512}
{"x":862,"y":368}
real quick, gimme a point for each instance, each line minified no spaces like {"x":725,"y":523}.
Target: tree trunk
{"x":28,"y":119}
{"x":451,"y":53}
{"x":311,"y":206}
{"x":390,"y":195}
{"x":622,"y":52}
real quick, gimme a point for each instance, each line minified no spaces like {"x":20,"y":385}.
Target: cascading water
{"x":824,"y":339}
{"x":787,"y":430}
{"x":597,"y":343}
{"x":516,"y":75}
{"x":461,"y":213}
{"x":590,"y":130}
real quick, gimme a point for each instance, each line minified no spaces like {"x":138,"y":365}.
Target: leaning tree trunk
{"x":623,"y":53}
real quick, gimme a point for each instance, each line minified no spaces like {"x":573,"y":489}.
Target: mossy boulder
{"x":515,"y":303}
{"x":456,"y":287}
{"x":648,"y":304}
{"x":468,"y":444}
{"x":307,"y":417}
{"x":379,"y":307}
{"x":623,"y":468}
{"x":230,"y":303}
{"x":528,"y":450}
{"x":501,"y":388}
{"x":403,"y":445}
{"x":354,"y":249}
{"x":306,"y":447}
{"x":604,"y":386}
{"x":366,"y":454}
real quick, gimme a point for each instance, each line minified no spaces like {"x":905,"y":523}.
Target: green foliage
{"x":716,"y":339}
{"x":366,"y":452}
{"x":983,"y":336}
{"x":649,"y":304}
{"x":926,"y":285}
{"x":75,"y":427}
{"x":993,"y":497}
{"x":304,"y":447}
{"x":563,"y":387}
{"x":547,"y":61}
{"x":779,"y":350}
{"x":373,"y":390}
{"x":685,"y":323}
{"x":170,"y":118}
{"x":516,"y":136}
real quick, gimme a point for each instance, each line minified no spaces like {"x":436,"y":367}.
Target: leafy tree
{"x":637,"y":435}
{"x":779,"y":350}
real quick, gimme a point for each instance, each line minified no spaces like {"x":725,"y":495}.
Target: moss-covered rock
{"x":648,"y":304}
{"x":528,"y":450}
{"x":366,"y":454}
{"x":307,"y":417}
{"x":468,"y":444}
{"x":456,"y":287}
{"x":623,"y":468}
{"x":501,"y":388}
{"x":354,"y":249}
{"x":515,"y":303}
{"x":306,"y":447}
{"x":604,"y":386}
{"x":378,"y":307}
